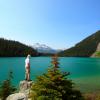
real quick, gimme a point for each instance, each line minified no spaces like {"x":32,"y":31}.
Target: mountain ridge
{"x":42,"y":48}
{"x":10,"y":48}
{"x":85,"y":48}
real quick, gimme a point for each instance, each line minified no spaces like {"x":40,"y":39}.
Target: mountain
{"x":42,"y":48}
{"x":9,"y":48}
{"x":85,"y":48}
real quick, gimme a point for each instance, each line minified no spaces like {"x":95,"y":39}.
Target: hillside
{"x":10,"y":48}
{"x":85,"y":48}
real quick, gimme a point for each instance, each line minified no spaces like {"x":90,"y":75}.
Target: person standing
{"x":27,"y":68}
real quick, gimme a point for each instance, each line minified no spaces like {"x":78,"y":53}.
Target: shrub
{"x":6,"y":87}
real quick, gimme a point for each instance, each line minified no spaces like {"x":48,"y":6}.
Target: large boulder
{"x":24,"y":91}
{"x":25,"y":87}
{"x":17,"y":96}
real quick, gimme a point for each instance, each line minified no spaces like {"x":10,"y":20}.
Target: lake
{"x":85,"y":72}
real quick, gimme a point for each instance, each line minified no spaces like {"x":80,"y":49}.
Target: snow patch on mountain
{"x":42,"y":48}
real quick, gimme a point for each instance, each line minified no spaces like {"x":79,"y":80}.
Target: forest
{"x":85,"y":48}
{"x":9,"y":48}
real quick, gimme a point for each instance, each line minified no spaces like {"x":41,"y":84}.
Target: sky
{"x":57,"y":23}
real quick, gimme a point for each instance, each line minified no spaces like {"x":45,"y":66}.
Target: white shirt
{"x":27,"y":62}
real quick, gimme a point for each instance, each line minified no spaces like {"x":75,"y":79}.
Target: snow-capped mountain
{"x":42,"y":48}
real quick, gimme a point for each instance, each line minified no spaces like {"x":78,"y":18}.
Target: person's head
{"x":28,"y":56}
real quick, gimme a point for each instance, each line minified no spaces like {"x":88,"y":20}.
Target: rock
{"x":24,"y":91}
{"x":17,"y":96}
{"x":25,"y":87}
{"x":98,"y":49}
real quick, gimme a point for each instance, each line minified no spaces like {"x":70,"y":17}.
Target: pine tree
{"x":54,"y":85}
{"x":6,"y":87}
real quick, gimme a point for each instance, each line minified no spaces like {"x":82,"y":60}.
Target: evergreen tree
{"x":6,"y":87}
{"x":54,"y":85}
{"x":9,"y":48}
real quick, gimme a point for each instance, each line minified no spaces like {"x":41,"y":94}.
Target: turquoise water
{"x":85,"y":72}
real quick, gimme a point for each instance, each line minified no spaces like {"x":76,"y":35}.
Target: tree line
{"x":85,"y":48}
{"x":9,"y":48}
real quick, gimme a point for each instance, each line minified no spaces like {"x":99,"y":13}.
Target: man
{"x":27,"y":68}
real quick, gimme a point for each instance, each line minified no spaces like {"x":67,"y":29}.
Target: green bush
{"x":6,"y":87}
{"x":97,"y":53}
{"x":43,"y":98}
